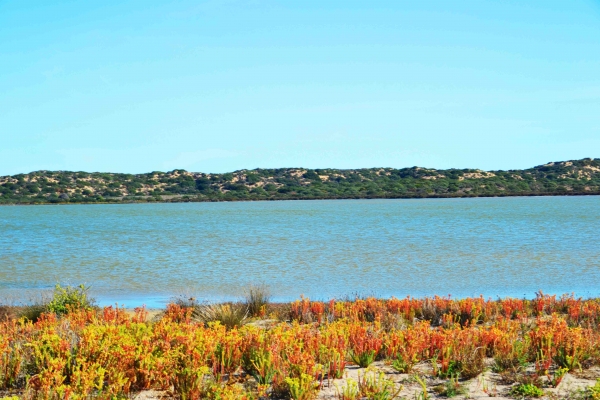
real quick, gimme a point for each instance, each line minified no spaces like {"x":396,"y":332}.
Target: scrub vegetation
{"x":396,"y":348}
{"x":575,"y":177}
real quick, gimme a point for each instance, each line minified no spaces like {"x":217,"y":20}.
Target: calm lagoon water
{"x":145,"y":253}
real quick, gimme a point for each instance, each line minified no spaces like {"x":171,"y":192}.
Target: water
{"x":145,"y":253}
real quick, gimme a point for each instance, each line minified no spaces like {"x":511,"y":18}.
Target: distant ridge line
{"x":574,"y":177}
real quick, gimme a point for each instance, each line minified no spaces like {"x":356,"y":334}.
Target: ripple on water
{"x":148,"y":252}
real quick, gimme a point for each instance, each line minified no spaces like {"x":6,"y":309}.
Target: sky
{"x":216,"y":86}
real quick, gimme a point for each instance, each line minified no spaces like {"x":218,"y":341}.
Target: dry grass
{"x":229,"y":315}
{"x":257,"y":300}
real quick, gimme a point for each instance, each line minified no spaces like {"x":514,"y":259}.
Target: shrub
{"x":32,"y":312}
{"x":400,"y":365}
{"x":363,"y":359}
{"x":592,"y":392}
{"x":365,"y":345}
{"x":451,"y":388}
{"x":333,"y":360}
{"x":557,"y":377}
{"x":526,"y":390}
{"x":569,"y":361}
{"x":447,"y":367}
{"x":349,"y":391}
{"x":191,"y":383}
{"x":303,"y":387}
{"x":262,"y":367}
{"x":515,"y":358}
{"x":376,"y":386}
{"x":69,"y":298}
{"x":472,"y":363}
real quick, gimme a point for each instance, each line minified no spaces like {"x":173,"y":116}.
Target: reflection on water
{"x":146,"y":253}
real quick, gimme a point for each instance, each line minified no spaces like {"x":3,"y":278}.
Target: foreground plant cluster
{"x":260,"y":350}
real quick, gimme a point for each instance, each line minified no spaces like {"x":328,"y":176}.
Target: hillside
{"x":555,"y":178}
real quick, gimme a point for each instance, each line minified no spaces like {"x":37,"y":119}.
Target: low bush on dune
{"x":63,"y":300}
{"x":69,"y":298}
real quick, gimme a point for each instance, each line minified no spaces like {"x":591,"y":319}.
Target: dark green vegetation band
{"x":577,"y":177}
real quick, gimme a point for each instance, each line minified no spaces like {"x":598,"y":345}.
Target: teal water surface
{"x":145,"y":253}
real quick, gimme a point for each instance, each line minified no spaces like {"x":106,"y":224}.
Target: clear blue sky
{"x":214,"y":86}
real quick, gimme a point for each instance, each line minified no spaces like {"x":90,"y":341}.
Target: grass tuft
{"x":230,"y":315}
{"x":257,"y":300}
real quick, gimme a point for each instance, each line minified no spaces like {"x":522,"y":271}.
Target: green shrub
{"x":564,"y":360}
{"x":451,"y":388}
{"x":302,"y":388}
{"x":526,"y":390}
{"x":516,"y":360}
{"x":400,"y":365}
{"x":592,"y":392}
{"x":363,"y":359}
{"x":376,"y":386}
{"x":69,"y":298}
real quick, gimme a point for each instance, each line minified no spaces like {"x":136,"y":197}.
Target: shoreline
{"x":180,"y":199}
{"x":163,"y":302}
